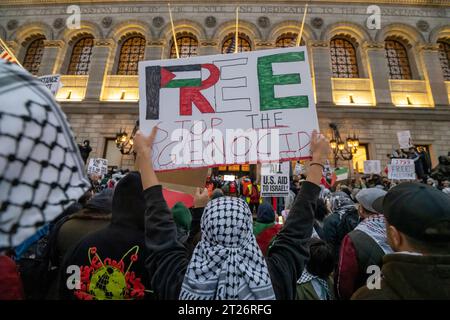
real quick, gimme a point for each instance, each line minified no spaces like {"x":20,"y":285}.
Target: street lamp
{"x":342,"y":150}
{"x":124,"y":142}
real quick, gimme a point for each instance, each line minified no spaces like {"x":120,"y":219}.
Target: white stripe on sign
{"x":180,"y":75}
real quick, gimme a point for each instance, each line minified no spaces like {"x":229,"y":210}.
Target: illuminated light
{"x":341,"y":146}
{"x":333,"y":144}
{"x":349,"y":142}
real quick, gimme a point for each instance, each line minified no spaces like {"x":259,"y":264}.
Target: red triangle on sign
{"x":166,"y":77}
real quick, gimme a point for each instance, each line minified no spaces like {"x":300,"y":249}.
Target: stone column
{"x":434,"y":75}
{"x":379,"y":72}
{"x":154,"y":50}
{"x":51,"y":58}
{"x":99,"y":60}
{"x":207,"y":47}
{"x":322,"y":72}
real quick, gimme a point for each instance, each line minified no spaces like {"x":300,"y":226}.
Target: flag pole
{"x":236,"y":36}
{"x":173,"y":33}
{"x":299,"y":38}
{"x":7,"y":49}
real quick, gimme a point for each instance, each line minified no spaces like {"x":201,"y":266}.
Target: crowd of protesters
{"x":115,"y":237}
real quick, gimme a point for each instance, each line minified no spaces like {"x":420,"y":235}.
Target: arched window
{"x":33,"y":56}
{"x":444,"y":57}
{"x":229,"y":43}
{"x":287,"y":40}
{"x":343,"y":59}
{"x":187,"y":46}
{"x":81,"y":56}
{"x":397,"y":59}
{"x":131,"y":52}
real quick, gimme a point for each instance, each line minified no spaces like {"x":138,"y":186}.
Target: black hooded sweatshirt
{"x":112,"y":259}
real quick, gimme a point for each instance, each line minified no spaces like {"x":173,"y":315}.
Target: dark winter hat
{"x":265,"y":213}
{"x":102,"y":201}
{"x":182,"y":216}
{"x":418,"y":210}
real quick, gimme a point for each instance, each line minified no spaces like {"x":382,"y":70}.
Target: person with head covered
{"x":227,"y":263}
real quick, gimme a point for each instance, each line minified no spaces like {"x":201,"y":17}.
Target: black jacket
{"x":119,"y":247}
{"x":168,"y":259}
{"x":411,"y":277}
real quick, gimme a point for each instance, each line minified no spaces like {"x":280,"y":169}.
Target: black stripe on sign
{"x":152,"y":86}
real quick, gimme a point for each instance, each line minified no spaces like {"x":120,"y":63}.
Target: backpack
{"x":39,"y":265}
{"x":348,"y":222}
{"x":254,"y":196}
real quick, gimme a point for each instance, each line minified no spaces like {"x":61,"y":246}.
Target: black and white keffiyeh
{"x":227,"y":263}
{"x":41,"y":172}
{"x":374,"y":226}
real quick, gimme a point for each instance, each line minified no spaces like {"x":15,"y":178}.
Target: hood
{"x":265,"y":213}
{"x":101,"y":202}
{"x":128,"y":203}
{"x":417,"y":277}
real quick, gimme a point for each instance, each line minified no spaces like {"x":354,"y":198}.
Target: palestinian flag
{"x":181,"y":76}
{"x":339,"y":174}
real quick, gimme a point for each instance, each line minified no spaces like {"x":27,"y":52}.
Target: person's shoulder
{"x":364,"y":293}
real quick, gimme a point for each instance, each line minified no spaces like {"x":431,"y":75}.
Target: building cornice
{"x":159,"y":2}
{"x":324,"y":111}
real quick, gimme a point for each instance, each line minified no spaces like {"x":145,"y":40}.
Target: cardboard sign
{"x":228,"y":177}
{"x":402,"y":169}
{"x":275,"y":179}
{"x":52,"y":82}
{"x":98,"y":166}
{"x":185,"y":181}
{"x":372,"y":166}
{"x":225,"y":109}
{"x":404,"y":139}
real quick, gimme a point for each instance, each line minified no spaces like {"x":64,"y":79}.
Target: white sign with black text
{"x":402,"y":169}
{"x":98,"y":166}
{"x":275,"y":179}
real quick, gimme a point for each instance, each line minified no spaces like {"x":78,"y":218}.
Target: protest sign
{"x":98,"y":166}
{"x":52,"y":82}
{"x":404,"y":139}
{"x":186,"y":181}
{"x":299,"y":169}
{"x":372,"y":166}
{"x":239,"y":108}
{"x":275,"y":179}
{"x":402,"y":169}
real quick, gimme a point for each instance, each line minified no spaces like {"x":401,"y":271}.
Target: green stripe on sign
{"x":184,"y":83}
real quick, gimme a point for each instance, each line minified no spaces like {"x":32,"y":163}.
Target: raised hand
{"x":201,"y":197}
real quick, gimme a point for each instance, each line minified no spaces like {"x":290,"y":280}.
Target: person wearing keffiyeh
{"x":227,"y":263}
{"x":364,"y":246}
{"x":316,"y":282}
{"x":41,"y":170}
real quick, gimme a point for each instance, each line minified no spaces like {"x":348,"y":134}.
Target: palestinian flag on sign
{"x":339,"y":174}
{"x":181,"y":76}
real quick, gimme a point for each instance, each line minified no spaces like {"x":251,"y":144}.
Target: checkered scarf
{"x":374,"y":226}
{"x":306,"y":277}
{"x":41,"y":172}
{"x":227,"y":263}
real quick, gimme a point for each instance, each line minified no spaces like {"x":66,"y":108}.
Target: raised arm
{"x":289,"y":252}
{"x":167,"y":261}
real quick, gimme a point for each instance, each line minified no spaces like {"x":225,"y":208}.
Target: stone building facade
{"x":370,"y":82}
